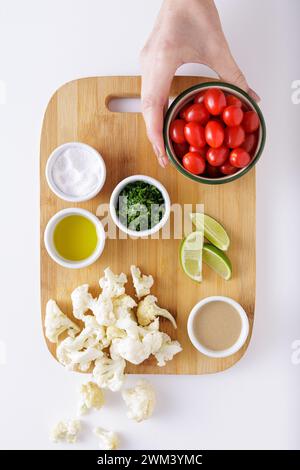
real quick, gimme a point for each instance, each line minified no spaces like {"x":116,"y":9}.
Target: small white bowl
{"x":49,"y":174}
{"x":49,"y":243}
{"x":114,"y":201}
{"x":241,"y":339}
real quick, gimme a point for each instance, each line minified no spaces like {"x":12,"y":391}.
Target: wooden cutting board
{"x":78,"y":112}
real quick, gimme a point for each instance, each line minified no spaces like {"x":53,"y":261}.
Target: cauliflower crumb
{"x":140,"y":401}
{"x":148,"y":309}
{"x":56,"y":322}
{"x":141,"y":283}
{"x":167,"y":350}
{"x":109,"y":373}
{"x":91,"y":396}
{"x":108,"y":439}
{"x":66,"y":431}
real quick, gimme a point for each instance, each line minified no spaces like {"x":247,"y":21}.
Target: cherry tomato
{"x":214,"y":134}
{"x":194,"y":134}
{"x":232,"y":100}
{"x":232,"y":115}
{"x":212,"y":171}
{"x":250,"y":121}
{"x":234,"y":136}
{"x":201,"y":150}
{"x":197,"y":112}
{"x":215,"y":101}
{"x":194,"y":163}
{"x":228,"y":169}
{"x":199,"y":97}
{"x":183,"y":110}
{"x":239,"y":158}
{"x":181,"y":149}
{"x":250,"y":143}
{"x":177,"y":131}
{"x":217,"y":156}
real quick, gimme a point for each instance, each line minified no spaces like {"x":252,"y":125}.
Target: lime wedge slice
{"x":217,"y":260}
{"x":213,"y":231}
{"x":191,"y":255}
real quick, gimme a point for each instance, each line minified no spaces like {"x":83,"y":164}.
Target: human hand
{"x":186,"y":31}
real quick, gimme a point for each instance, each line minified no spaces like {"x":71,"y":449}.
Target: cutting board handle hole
{"x":124,"y":105}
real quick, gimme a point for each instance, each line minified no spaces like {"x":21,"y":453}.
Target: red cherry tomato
{"x":228,"y":169}
{"x":234,"y":136}
{"x":212,"y":171}
{"x":239,"y":158}
{"x":194,"y":134}
{"x":217,"y":156}
{"x":232,"y":115}
{"x":201,"y":150}
{"x":177,"y":131}
{"x":250,"y":121}
{"x":250,"y":143}
{"x":194,"y":163}
{"x":199,"y":97}
{"x":197,"y":112}
{"x":232,"y":100}
{"x":215,"y":101}
{"x":183,"y":110}
{"x":180,"y":149}
{"x":214,"y":134}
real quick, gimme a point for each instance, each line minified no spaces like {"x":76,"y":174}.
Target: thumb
{"x":156,"y":82}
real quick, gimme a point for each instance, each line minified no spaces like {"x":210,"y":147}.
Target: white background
{"x":256,"y":403}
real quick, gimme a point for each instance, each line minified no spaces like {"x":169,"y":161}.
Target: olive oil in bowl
{"x":75,"y":237}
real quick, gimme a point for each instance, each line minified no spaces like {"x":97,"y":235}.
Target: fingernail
{"x":162,"y":161}
{"x":254,"y":95}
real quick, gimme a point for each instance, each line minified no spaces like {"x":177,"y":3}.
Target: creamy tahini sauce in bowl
{"x":218,"y":326}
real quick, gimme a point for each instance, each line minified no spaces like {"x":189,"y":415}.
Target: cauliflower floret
{"x":167,"y":350}
{"x":123,"y":305}
{"x":113,"y":332}
{"x":56,"y":322}
{"x":140,"y":401}
{"x":148,"y":309}
{"x":109,"y":373}
{"x":113,"y":284}
{"x":91,"y":396}
{"x":73,"y":358}
{"x":142,"y":283}
{"x":82,"y":301}
{"x":139,"y":343}
{"x":66,"y":431}
{"x":102,"y":308}
{"x":108,"y":439}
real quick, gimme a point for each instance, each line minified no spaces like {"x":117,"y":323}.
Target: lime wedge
{"x":217,"y":260}
{"x":213,"y":231}
{"x":191,"y":255}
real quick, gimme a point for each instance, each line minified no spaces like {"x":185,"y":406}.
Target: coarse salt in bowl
{"x":75,"y":172}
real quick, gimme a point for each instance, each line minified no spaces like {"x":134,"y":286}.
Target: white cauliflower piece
{"x":108,"y":439}
{"x":91,"y":396}
{"x":140,"y":401}
{"x":109,"y":372}
{"x":66,"y":431}
{"x":148,"y":310}
{"x":102,"y":308}
{"x":167,"y":350}
{"x":82,"y":301}
{"x":141,"y":283}
{"x":123,"y":305}
{"x":113,"y":332}
{"x":73,"y":358}
{"x":113,"y":284}
{"x":139,"y":343}
{"x":56,"y":322}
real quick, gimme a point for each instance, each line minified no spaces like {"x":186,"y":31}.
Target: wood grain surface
{"x":78,"y":112}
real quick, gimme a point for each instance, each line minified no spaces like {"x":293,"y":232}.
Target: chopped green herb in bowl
{"x":140,"y":205}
